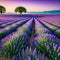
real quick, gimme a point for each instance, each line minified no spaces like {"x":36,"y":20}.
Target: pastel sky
{"x":31,"y":5}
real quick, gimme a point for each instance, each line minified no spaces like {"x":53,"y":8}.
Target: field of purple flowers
{"x":29,"y":37}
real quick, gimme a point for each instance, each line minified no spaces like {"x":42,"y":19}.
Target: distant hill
{"x":52,"y":11}
{"x":47,"y":12}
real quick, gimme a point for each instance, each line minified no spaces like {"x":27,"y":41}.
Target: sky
{"x":31,"y":5}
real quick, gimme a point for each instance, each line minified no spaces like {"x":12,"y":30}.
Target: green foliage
{"x":2,"y":9}
{"x":57,"y":34}
{"x":20,"y":9}
{"x":4,"y":33}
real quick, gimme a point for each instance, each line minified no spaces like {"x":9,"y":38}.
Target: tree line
{"x":18,"y":9}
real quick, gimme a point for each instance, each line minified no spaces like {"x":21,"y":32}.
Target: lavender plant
{"x":45,"y":45}
{"x":14,"y":46}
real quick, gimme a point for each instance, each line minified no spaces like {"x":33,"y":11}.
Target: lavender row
{"x":11,"y":29}
{"x":52,"y":28}
{"x":10,"y":19}
{"x":26,"y":28}
{"x":54,"y":18}
{"x":47,"y":44}
{"x":20,"y":40}
{"x":40,"y":29}
{"x":11,"y":22}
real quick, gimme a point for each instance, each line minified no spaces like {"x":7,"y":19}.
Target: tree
{"x":20,"y":9}
{"x":2,"y":9}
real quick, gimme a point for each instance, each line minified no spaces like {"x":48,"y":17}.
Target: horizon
{"x":31,"y":5}
{"x":36,"y":11}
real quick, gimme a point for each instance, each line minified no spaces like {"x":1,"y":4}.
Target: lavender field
{"x":29,"y":37}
